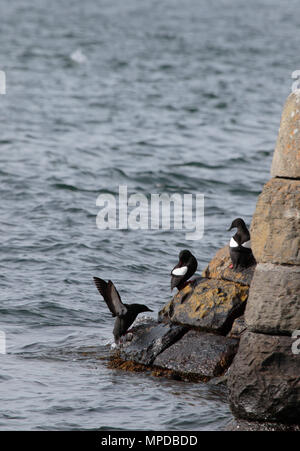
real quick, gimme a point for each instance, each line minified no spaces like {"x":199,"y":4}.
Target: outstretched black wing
{"x":111,"y":296}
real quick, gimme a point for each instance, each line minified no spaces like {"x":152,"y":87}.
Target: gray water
{"x":161,"y":96}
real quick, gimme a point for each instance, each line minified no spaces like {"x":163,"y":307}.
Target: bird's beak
{"x":230,"y":228}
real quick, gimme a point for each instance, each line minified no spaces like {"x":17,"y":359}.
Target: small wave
{"x":198,"y":164}
{"x":67,"y":187}
{"x":4,"y":378}
{"x":78,"y":56}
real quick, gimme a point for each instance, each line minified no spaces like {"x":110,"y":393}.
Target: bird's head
{"x":184,"y":257}
{"x":238,"y":223}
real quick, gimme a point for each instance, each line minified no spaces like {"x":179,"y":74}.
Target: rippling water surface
{"x":161,"y":96}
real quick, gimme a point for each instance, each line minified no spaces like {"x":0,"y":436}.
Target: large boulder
{"x":212,"y":305}
{"x":286,"y":160}
{"x":273,"y":305}
{"x":219,"y":268}
{"x":275,"y":227}
{"x":264,"y":379}
{"x":198,"y":354}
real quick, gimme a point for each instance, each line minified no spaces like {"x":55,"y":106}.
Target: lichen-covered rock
{"x":219,"y":268}
{"x":264,"y":379}
{"x":273,"y":305}
{"x":198,"y":354}
{"x":212,"y":305}
{"x":275,"y":228}
{"x":286,"y":160}
{"x":148,"y":340}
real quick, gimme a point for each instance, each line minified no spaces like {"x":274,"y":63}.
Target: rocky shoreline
{"x":197,"y":333}
{"x":240,"y":324}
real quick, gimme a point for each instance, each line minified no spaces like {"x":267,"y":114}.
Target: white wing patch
{"x":233,"y":243}
{"x":247,"y":244}
{"x":180,"y":271}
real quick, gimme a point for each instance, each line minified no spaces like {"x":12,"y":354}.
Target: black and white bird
{"x":125,"y":313}
{"x":184,"y":269}
{"x":240,"y":245}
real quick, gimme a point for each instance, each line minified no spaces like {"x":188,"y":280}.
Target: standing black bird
{"x":240,"y":245}
{"x":125,"y":313}
{"x":184,"y":269}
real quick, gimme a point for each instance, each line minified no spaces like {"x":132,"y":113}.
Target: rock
{"x":218,"y":268}
{"x":219,"y":380}
{"x":212,"y":305}
{"x":275,"y":228}
{"x":198,"y":354}
{"x":273,"y":305}
{"x":286,"y":160}
{"x":264,"y":379}
{"x":243,"y":425}
{"x":149,"y":340}
{"x":238,"y":327}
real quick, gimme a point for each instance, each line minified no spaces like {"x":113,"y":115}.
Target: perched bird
{"x":240,"y":246}
{"x":125,"y":313}
{"x":184,"y":269}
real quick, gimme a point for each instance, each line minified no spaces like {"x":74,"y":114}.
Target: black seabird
{"x":240,"y":245}
{"x":125,"y":313}
{"x":184,"y":269}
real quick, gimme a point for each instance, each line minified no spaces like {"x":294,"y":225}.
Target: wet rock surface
{"x":174,"y":351}
{"x":264,"y":379}
{"x":212,"y":305}
{"x":273,"y":306}
{"x":149,"y":340}
{"x":198,"y":353}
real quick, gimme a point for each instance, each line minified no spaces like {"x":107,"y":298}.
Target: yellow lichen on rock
{"x":208,"y":306}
